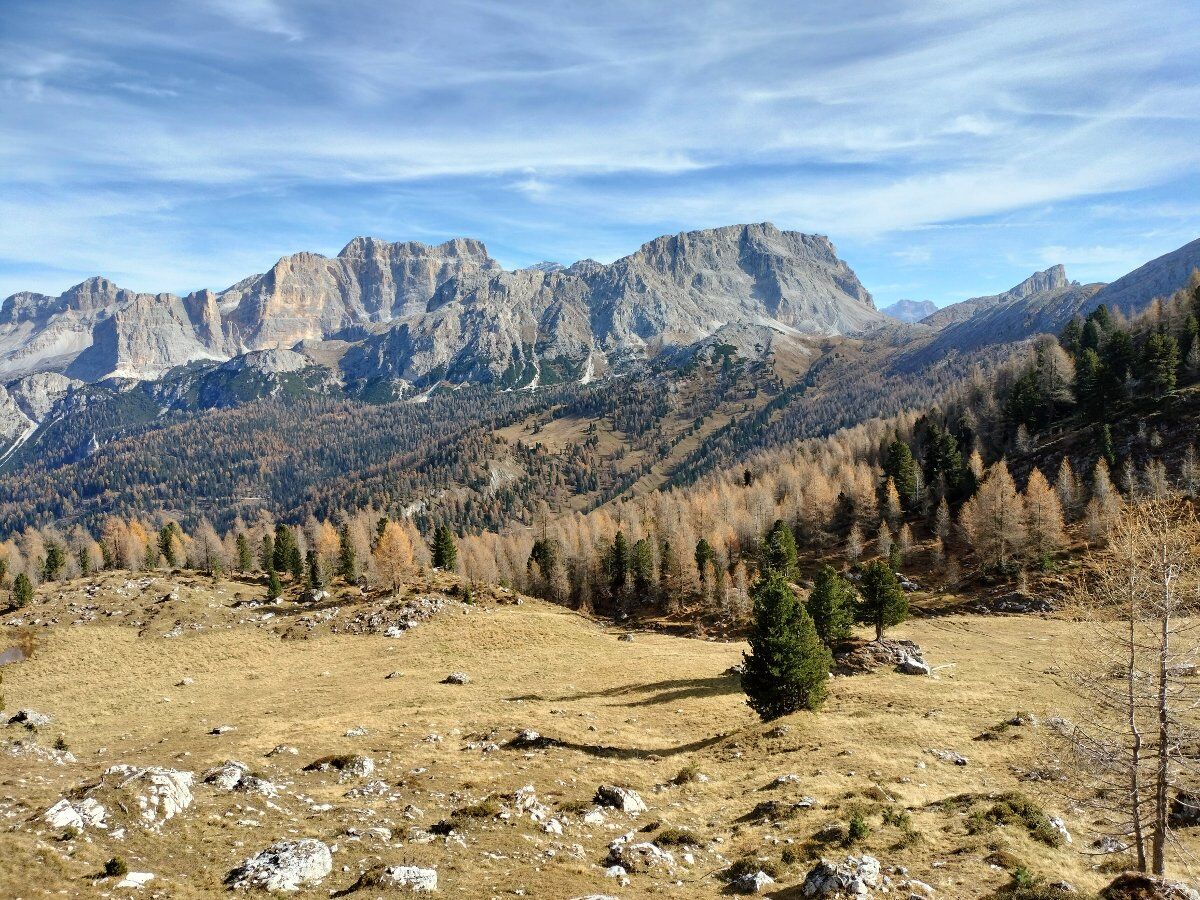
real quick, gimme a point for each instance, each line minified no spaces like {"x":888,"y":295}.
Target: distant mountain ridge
{"x":910,"y":310}
{"x":418,"y":313}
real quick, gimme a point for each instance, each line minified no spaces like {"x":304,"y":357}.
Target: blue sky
{"x":948,"y":148}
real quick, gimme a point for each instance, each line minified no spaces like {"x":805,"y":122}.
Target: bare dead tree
{"x":1138,"y":601}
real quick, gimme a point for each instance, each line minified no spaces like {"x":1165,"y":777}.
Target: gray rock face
{"x":286,"y":866}
{"x":855,"y":876}
{"x":25,"y":403}
{"x":1042,"y":303}
{"x":419,"y":314}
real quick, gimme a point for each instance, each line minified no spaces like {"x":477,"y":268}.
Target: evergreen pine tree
{"x":704,"y":558}
{"x":266,"y":554}
{"x":315,"y":578}
{"x":22,"y":591}
{"x":1160,"y":361}
{"x":245,"y":560}
{"x":831,"y":605}
{"x":274,"y":585}
{"x":899,"y":465}
{"x":347,"y":561}
{"x":779,"y":551}
{"x":641,"y":568}
{"x":295,"y":563}
{"x":282,"y":550}
{"x":882,"y":602}
{"x":617,"y":563}
{"x":55,"y":562}
{"x":445,"y":552}
{"x":787,"y":666}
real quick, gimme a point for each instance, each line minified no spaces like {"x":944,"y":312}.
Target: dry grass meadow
{"x":630,"y":713}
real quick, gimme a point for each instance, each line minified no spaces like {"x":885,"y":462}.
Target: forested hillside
{"x":1001,"y":477}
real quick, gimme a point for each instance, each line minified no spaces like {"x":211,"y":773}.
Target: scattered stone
{"x":912,"y":666}
{"x":390,"y":675}
{"x":1109,"y":844}
{"x":643,"y":856}
{"x":1062,"y":887}
{"x":751,"y":883}
{"x":620,"y":798}
{"x":736,"y":669}
{"x":416,"y":879}
{"x":65,"y":814}
{"x":615,"y":872}
{"x":350,"y":765}
{"x":30,"y":718}
{"x":356,"y":731}
{"x":1061,"y":827}
{"x":867,"y":656}
{"x":186,"y":682}
{"x":222,"y":729}
{"x":854,"y":876}
{"x":156,"y":793}
{"x":790,"y":778}
{"x":626,"y":638}
{"x":136,"y":880}
{"x":286,"y":866}
{"x":457,"y":678}
{"x":282,"y":750}
{"x":236,"y":776}
{"x":529,"y":738}
{"x":949,"y":756}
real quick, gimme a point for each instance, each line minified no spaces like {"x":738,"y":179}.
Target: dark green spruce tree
{"x":22,"y":591}
{"x":787,"y":666}
{"x":882,"y":602}
{"x":445,"y":551}
{"x":831,"y":605}
{"x":779,"y":551}
{"x":347,"y":558}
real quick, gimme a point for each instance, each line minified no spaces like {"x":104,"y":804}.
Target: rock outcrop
{"x":286,"y":866}
{"x":418,"y":313}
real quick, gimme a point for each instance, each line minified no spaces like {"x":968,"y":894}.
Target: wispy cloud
{"x":167,"y":147}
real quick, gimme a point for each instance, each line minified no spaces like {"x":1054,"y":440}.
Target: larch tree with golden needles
{"x":393,"y":555}
{"x":1137,"y":718}
{"x":994,"y":520}
{"x":1043,"y":520}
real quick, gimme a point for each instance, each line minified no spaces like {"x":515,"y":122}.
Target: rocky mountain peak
{"x":1050,"y":279}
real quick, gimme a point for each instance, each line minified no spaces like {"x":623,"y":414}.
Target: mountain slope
{"x":421,"y":313}
{"x":1157,"y":278}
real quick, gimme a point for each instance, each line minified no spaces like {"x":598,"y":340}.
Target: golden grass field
{"x":630,"y":713}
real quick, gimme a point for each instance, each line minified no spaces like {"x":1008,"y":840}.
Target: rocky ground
{"x":177,"y":727}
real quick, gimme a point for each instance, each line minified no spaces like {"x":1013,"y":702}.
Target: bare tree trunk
{"x":1135,"y":774}
{"x":1162,"y":776}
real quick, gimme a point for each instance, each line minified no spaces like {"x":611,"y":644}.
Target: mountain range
{"x":383,"y":322}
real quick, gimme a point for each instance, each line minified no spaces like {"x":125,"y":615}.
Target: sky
{"x":948,"y":149}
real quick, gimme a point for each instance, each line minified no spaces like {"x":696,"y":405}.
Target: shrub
{"x":116,"y":868}
{"x":897,"y":817}
{"x":487,"y":808}
{"x":687,"y":774}
{"x":1017,"y":809}
{"x":857,"y":829}
{"x":748,"y":865}
{"x":60,"y":743}
{"x":676,"y":837}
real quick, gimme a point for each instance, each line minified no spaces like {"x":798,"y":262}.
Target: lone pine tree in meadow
{"x":787,"y":666}
{"x":22,"y":591}
{"x":831,"y":605}
{"x":882,"y":602}
{"x":445,"y":552}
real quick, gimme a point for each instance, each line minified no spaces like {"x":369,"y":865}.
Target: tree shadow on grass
{"x":668,"y":691}
{"x":638,"y":753}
